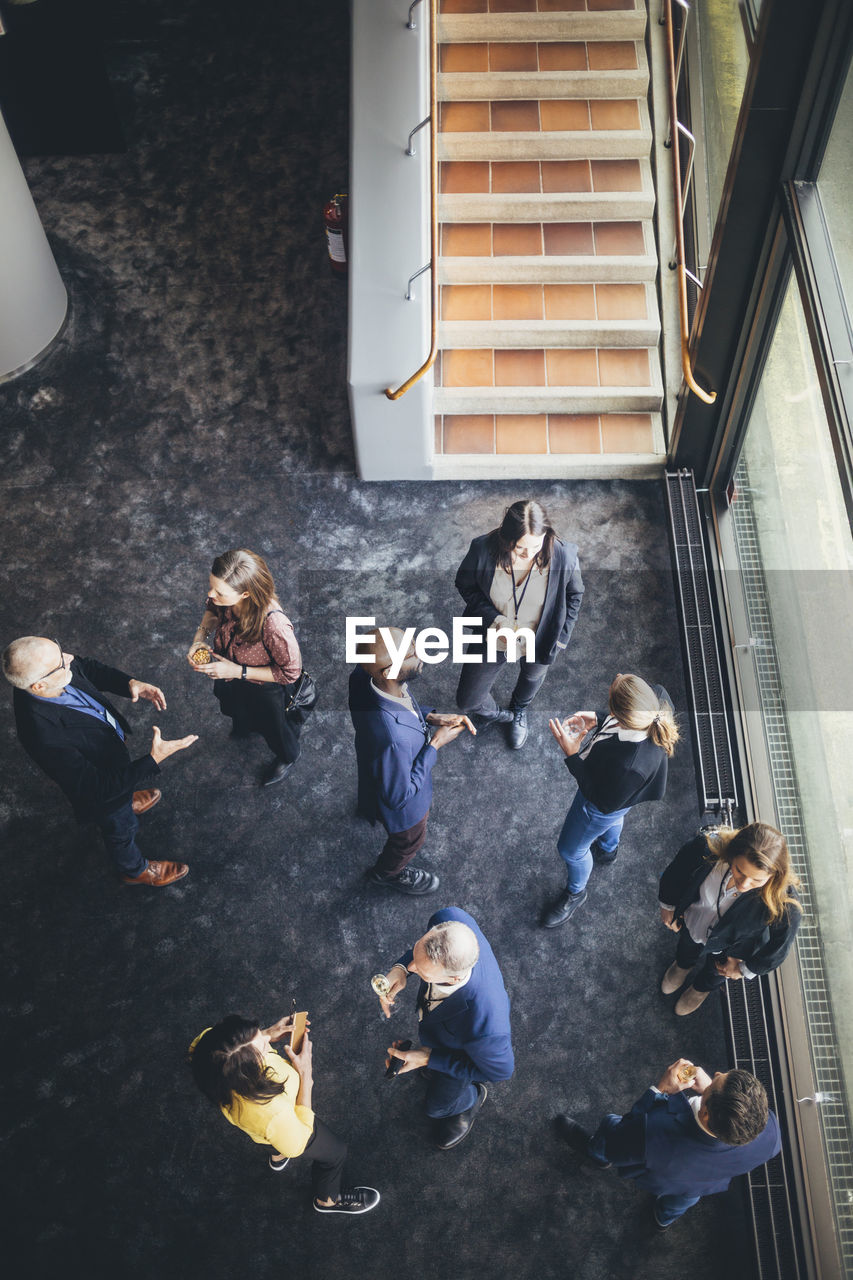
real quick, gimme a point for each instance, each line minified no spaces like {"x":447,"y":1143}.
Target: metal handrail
{"x":676,"y":129}
{"x":432,"y":265}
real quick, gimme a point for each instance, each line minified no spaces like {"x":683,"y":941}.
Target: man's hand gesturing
{"x":161,"y":750}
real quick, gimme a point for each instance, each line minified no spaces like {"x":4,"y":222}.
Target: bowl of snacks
{"x":202,"y":656}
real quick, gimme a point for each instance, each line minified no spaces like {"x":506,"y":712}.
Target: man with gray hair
{"x":463,"y":1010}
{"x":77,"y":737}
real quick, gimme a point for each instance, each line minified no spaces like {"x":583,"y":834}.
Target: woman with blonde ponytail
{"x":619,"y":759}
{"x":731,"y":898}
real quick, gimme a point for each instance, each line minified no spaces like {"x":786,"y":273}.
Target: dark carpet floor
{"x":197,"y":402}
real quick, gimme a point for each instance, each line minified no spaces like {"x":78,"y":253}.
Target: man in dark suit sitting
{"x":78,"y":738}
{"x":681,"y":1149}
{"x":464,"y":1029}
{"x":396,"y":754}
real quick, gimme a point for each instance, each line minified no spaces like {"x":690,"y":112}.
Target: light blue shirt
{"x":80,"y":701}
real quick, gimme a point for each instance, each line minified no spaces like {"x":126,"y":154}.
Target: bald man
{"x":77,"y":737}
{"x":396,"y":751}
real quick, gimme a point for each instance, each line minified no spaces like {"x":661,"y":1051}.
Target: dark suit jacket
{"x":84,"y":756}
{"x":660,"y":1145}
{"x":562,"y":597}
{"x":469,"y":1032}
{"x":618,"y":775}
{"x":744,"y":931}
{"x":395,"y":762}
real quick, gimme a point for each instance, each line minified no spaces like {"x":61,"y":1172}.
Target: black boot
{"x":516,"y":734}
{"x":563,"y":909}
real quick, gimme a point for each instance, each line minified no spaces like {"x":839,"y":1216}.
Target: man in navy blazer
{"x":396,"y":752}
{"x":77,"y":737}
{"x":463,"y":1009}
{"x":681,"y":1149}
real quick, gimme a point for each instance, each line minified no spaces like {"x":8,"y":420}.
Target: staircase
{"x":548,"y":342}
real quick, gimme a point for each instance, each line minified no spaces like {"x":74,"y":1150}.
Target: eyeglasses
{"x":61,"y":666}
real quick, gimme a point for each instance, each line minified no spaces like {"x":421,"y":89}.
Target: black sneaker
{"x":603,"y":857}
{"x":275,"y":772}
{"x":278,"y":1165}
{"x":353,"y":1200}
{"x":411,"y":880}
{"x":563,"y":909}
{"x":516,"y":734}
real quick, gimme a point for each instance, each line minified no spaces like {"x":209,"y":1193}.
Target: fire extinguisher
{"x":336,"y":222}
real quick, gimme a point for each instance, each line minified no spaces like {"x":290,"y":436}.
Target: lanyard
{"x":517,"y":602}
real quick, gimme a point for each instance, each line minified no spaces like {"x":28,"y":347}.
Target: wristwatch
{"x":243,"y":672}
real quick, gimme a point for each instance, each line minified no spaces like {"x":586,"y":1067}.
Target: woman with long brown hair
{"x":256,"y":662}
{"x":519,"y":575}
{"x":731,"y":896}
{"x":619,"y":758}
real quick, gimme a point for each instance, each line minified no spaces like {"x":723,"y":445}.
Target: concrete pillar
{"x":33,"y":301}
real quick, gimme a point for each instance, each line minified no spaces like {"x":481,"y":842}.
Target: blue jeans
{"x":584,"y":823}
{"x":119,"y":831}
{"x":667,"y":1208}
{"x":447,"y":1096}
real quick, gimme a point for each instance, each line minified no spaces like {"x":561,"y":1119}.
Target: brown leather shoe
{"x":145,"y":800}
{"x":157,"y":874}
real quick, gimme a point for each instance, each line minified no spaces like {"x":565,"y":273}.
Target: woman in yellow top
{"x":269,"y":1098}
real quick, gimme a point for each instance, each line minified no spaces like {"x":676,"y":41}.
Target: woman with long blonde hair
{"x":619,"y":758}
{"x":256,"y":661}
{"x":731,"y":896}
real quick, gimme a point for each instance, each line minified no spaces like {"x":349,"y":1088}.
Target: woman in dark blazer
{"x":519,"y":575}
{"x":731,"y":898}
{"x":622,"y":763}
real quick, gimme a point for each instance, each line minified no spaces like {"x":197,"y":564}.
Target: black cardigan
{"x":563,"y":595}
{"x":743,"y":932}
{"x":618,"y":775}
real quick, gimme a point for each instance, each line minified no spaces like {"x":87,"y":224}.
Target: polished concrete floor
{"x":196,"y":402}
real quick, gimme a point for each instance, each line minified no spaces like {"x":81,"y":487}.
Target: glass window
{"x":796,"y":562}
{"x":834,"y":187}
{"x":724,"y":62}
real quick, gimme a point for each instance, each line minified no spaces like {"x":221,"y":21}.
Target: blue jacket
{"x":660,"y":1145}
{"x":469,"y":1032}
{"x":395,"y":760}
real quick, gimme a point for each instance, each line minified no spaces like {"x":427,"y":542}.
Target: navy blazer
{"x":662,"y":1148}
{"x":744,"y":932}
{"x":395,"y":759}
{"x":469,"y":1032}
{"x":84,"y":756}
{"x":563,"y":595}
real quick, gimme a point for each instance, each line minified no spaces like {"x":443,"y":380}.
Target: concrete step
{"x":622,"y":305}
{"x":477,"y":86}
{"x":548,"y":466}
{"x":561,"y":438}
{"x":570,"y":133}
{"x":557,"y":399}
{"x":617,"y":24}
{"x":471,"y":334}
{"x":579,"y":206}
{"x":554,"y":270}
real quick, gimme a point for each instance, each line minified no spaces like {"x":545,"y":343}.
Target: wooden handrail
{"x":707,"y":396}
{"x":433,"y":210}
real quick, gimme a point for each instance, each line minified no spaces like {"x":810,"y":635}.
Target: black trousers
{"x":259,"y":708}
{"x":689,"y":953}
{"x":327,"y":1152}
{"x":119,"y":833}
{"x":474,"y":693}
{"x":400,"y":847}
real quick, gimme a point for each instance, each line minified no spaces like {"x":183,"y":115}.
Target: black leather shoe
{"x":451,"y":1130}
{"x":275,"y":772}
{"x":576,"y":1137}
{"x":411,"y":880}
{"x":502,"y":716}
{"x":517,"y":732}
{"x":563,"y":909}
{"x":603,"y":857}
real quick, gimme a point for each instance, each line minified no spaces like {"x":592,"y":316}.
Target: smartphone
{"x":396,"y":1063}
{"x":297,"y":1035}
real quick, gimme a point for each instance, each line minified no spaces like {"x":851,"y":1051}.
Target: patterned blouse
{"x":278,"y":649}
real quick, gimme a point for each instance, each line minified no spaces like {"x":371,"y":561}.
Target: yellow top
{"x":281,"y":1122}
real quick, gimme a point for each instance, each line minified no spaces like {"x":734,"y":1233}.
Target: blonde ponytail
{"x":636,"y":706}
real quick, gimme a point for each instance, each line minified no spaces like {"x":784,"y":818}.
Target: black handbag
{"x":301,"y":696}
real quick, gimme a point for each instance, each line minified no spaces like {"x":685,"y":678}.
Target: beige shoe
{"x":673,"y":979}
{"x":690,"y":1000}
